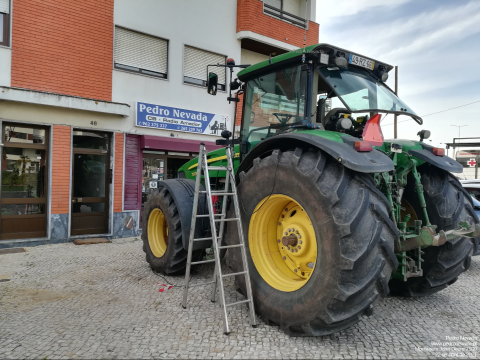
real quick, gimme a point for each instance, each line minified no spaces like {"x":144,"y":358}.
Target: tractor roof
{"x":312,"y":51}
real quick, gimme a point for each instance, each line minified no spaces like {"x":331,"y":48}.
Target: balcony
{"x":276,"y":24}
{"x":285,"y":16}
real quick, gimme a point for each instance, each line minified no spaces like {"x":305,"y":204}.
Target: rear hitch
{"x":428,"y":237}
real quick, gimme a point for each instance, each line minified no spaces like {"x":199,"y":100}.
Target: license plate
{"x":360,"y":61}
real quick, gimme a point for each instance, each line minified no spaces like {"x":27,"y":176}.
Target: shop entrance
{"x":160,"y":165}
{"x":23,"y":199}
{"x":90,"y":182}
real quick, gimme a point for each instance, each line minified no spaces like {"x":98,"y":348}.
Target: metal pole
{"x":476,"y":168}
{"x":396,"y":93}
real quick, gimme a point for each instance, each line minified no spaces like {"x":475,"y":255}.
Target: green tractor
{"x":335,"y":217}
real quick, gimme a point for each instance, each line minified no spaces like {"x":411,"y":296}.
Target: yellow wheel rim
{"x":282,"y":243}
{"x":157,"y":233}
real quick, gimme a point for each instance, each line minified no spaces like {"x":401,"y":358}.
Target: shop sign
{"x":170,"y":118}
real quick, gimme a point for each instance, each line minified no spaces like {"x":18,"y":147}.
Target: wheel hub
{"x":282,"y":243}
{"x":157,"y":233}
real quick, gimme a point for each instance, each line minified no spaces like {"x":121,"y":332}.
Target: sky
{"x":434,"y":43}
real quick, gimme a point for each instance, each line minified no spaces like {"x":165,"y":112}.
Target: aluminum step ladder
{"x":217,"y":239}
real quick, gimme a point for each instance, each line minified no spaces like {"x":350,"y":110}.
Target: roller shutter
{"x":140,"y":51}
{"x":5,"y":6}
{"x":196,"y":61}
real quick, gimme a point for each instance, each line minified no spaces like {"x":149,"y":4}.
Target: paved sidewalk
{"x":102,"y":301}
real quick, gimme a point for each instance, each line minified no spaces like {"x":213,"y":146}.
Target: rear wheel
{"x":447,"y":204}
{"x":320,"y":243}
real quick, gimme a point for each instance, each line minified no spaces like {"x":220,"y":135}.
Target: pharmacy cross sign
{"x":472,"y":162}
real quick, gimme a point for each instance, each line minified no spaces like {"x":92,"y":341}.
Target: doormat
{"x":91,"y":241}
{"x":12,"y":251}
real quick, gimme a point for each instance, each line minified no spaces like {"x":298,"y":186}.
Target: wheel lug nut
{"x":311,"y":265}
{"x":288,"y":229}
{"x":296,"y":250}
{"x":300,"y":242}
{"x":299,"y":236}
{"x":297,"y":232}
{"x":299,"y":247}
{"x":286,"y":233}
{"x":291,"y":250}
{"x":293,"y":230}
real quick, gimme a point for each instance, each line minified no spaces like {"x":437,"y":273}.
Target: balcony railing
{"x":285,"y":16}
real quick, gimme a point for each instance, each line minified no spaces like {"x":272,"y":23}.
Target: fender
{"x":442,"y":162}
{"x":364,"y":162}
{"x":183,"y":191}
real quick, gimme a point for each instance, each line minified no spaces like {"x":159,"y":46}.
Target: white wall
{"x":250,"y":57}
{"x":5,"y":66}
{"x":294,"y":7}
{"x":206,"y":24}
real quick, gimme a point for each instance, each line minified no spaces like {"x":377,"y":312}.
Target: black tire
{"x":354,"y":238}
{"x":174,"y":261}
{"x":447,"y":204}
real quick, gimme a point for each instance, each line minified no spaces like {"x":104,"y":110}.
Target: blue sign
{"x":170,"y":118}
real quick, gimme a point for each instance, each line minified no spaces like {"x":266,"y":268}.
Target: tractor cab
{"x":330,"y":88}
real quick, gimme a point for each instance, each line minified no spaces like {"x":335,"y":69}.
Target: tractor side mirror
{"x":212,"y":83}
{"x":252,"y":117}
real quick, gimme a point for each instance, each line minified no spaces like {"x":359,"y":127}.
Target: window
{"x":4,"y":22}
{"x":195,"y":67}
{"x":272,"y":99}
{"x":140,"y":53}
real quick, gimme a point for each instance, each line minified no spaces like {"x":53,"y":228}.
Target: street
{"x":103,"y":301}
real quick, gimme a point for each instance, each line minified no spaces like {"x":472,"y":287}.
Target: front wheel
{"x":447,"y":204}
{"x":320,"y":243}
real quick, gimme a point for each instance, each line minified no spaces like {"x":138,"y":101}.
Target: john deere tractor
{"x":335,"y":217}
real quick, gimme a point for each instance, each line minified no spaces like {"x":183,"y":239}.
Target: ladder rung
{"x":237,"y":303}
{"x":206,"y":283}
{"x":222,"y":193}
{"x":209,"y":238}
{"x":235,"y":274}
{"x":215,"y":168}
{"x":229,"y":246}
{"x":231,"y":219}
{"x":202,"y":262}
{"x":202,"y":216}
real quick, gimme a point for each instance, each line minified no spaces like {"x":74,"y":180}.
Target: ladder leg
{"x":248,"y":284}
{"x":218,"y":268}
{"x":221,"y":232}
{"x":192,"y":226}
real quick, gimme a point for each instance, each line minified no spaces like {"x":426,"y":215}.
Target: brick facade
{"x":118,"y":186}
{"x":61,"y":145}
{"x":250,"y":17}
{"x":64,"y":47}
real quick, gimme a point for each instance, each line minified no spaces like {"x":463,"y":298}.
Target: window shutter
{"x":140,"y":50}
{"x":5,"y":6}
{"x":196,"y":61}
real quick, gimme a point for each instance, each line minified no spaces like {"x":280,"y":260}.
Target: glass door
{"x":23,"y":196}
{"x":90,"y":182}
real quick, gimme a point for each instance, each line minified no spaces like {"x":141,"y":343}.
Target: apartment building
{"x":79,"y":81}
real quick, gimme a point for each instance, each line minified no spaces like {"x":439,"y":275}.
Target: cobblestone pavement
{"x":102,"y":301}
